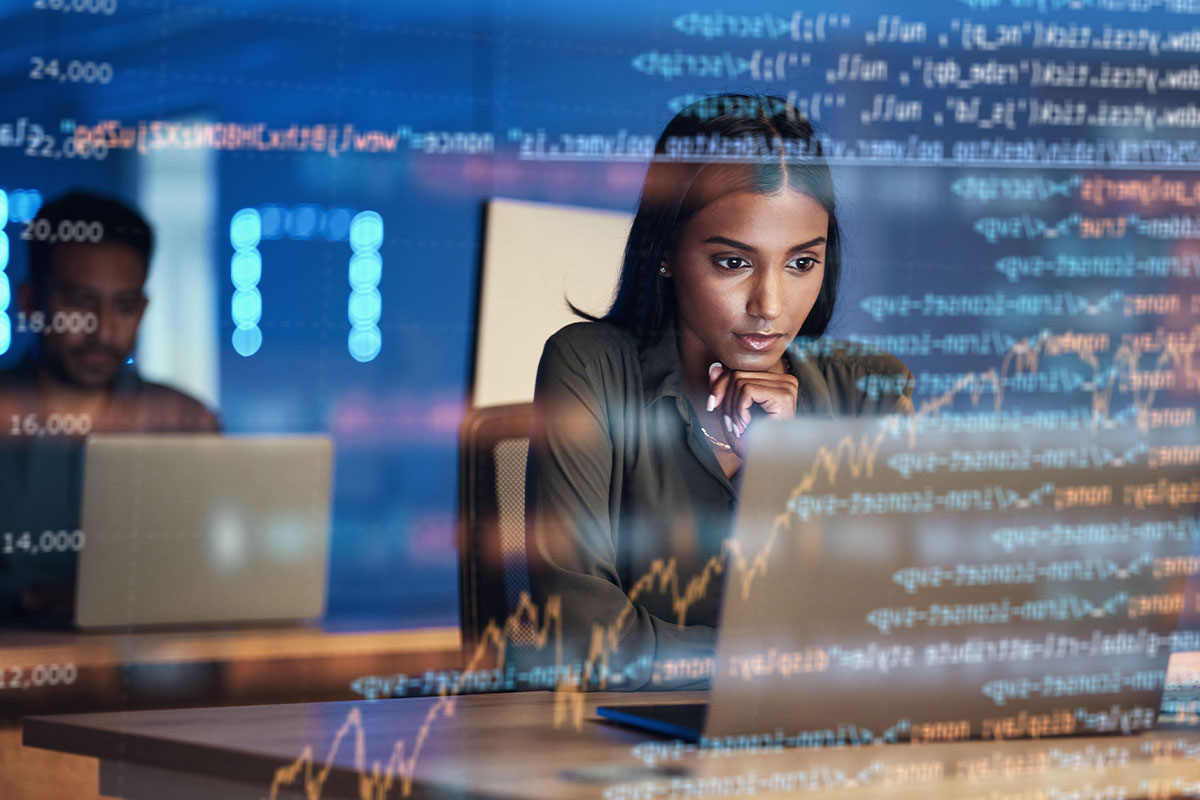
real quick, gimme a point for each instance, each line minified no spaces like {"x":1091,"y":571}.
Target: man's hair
{"x":118,"y":223}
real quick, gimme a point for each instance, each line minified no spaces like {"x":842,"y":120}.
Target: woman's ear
{"x":663,"y":270}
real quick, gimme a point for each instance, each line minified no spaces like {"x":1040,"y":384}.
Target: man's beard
{"x":77,"y":357}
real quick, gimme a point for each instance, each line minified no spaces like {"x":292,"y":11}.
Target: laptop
{"x":909,"y":580}
{"x":196,"y":529}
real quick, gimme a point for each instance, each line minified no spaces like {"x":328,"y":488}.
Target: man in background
{"x":84,"y":298}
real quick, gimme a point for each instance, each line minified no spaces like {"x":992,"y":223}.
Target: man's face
{"x":93,"y":306}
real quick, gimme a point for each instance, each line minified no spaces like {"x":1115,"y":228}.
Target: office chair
{"x":493,"y":444}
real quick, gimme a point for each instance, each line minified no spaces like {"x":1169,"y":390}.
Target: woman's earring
{"x":662,"y":271}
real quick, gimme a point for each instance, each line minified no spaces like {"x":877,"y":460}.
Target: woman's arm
{"x":863,"y":384}
{"x":573,"y":480}
{"x":896,"y":395}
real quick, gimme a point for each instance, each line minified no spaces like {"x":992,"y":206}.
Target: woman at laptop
{"x":640,"y":416}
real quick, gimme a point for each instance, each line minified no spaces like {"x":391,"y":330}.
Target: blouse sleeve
{"x":894,"y":396}
{"x":870,"y":384}
{"x":573,"y":484}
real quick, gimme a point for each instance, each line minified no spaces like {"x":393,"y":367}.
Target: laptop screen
{"x":909,"y":580}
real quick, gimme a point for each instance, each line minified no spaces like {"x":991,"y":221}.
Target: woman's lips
{"x":757,"y":343}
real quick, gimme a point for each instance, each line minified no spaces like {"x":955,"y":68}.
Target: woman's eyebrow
{"x":743,"y":246}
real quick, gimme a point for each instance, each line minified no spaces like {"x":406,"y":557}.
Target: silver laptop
{"x":930,"y":584}
{"x":194,"y":528}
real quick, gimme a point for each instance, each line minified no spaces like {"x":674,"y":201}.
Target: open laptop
{"x":892,"y":583}
{"x":203,"y":529}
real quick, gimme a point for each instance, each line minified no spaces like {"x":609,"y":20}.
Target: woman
{"x":639,"y":416}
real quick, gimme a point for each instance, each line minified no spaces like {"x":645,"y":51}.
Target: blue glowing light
{"x":5,"y":288}
{"x":246,"y":341}
{"x":246,"y":307}
{"x":366,"y":231}
{"x":3,"y":208}
{"x":271,"y":219}
{"x":301,"y":222}
{"x":336,"y":224}
{"x":364,"y":307}
{"x":365,"y":270}
{"x":18,"y":204}
{"x":23,"y":205}
{"x":365,"y":343}
{"x":245,"y":229}
{"x":245,"y":268}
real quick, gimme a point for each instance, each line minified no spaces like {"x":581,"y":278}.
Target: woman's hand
{"x":734,"y":392}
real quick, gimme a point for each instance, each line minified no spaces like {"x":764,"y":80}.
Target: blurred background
{"x":964,"y":136}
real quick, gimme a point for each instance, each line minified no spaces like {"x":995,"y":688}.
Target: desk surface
{"x":147,"y":669}
{"x":32,"y":646}
{"x":508,"y":745}
{"x":156,"y":669}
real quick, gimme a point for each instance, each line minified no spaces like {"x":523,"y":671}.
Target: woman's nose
{"x":766,"y":300}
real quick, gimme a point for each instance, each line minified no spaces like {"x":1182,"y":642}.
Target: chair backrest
{"x":493,"y":444}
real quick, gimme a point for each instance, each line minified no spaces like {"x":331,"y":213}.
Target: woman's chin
{"x":754,"y":362}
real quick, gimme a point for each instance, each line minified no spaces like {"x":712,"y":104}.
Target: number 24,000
{"x":73,"y":71}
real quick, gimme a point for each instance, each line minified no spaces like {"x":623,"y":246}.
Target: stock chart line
{"x":377,"y":780}
{"x":1024,"y":357}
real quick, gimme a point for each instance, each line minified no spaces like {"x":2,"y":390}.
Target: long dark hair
{"x":716,"y":146}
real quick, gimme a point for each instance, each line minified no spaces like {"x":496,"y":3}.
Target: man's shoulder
{"x":173,"y":409}
{"x":17,"y":389}
{"x":164,"y":393}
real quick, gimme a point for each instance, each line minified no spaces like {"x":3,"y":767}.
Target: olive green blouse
{"x":620,"y":480}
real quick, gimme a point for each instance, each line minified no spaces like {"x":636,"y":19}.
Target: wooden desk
{"x":508,"y":745}
{"x":247,"y":665}
{"x":185,"y":668}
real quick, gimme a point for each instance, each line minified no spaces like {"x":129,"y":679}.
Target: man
{"x":84,"y":297}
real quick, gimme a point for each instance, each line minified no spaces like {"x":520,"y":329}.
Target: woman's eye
{"x":805,"y":264}
{"x":732,"y":262}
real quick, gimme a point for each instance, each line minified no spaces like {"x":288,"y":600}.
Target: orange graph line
{"x":1025,"y":357}
{"x":376,"y":782}
{"x":858,"y":459}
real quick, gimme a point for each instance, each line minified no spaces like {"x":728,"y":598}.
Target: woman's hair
{"x":714,"y":147}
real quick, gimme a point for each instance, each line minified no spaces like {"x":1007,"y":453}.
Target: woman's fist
{"x":732,"y":393}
